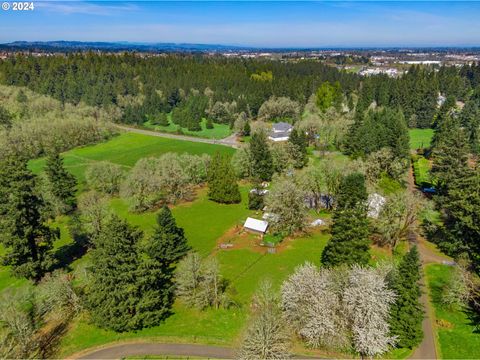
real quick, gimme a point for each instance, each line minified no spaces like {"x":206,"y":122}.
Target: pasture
{"x":421,"y":171}
{"x":457,"y":337}
{"x":420,"y":138}
{"x":126,"y":149}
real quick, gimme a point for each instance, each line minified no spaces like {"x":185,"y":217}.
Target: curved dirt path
{"x":230,"y":141}
{"x":427,"y":348}
{"x":143,"y":349}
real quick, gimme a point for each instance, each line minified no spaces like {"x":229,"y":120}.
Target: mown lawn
{"x":420,"y":138}
{"x":126,"y":149}
{"x":219,"y":131}
{"x":204,"y":221}
{"x":457,"y":335}
{"x":244,"y":268}
{"x":421,"y":170}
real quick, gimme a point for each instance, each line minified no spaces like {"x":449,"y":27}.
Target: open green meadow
{"x":420,"y":138}
{"x":206,"y":224}
{"x":421,"y":171}
{"x":126,"y":149}
{"x":219,"y":131}
{"x":457,"y":337}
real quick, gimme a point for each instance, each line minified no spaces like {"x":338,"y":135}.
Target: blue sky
{"x":265,"y":24}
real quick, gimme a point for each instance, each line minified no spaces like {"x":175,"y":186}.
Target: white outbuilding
{"x":255,"y":225}
{"x":318,"y":222}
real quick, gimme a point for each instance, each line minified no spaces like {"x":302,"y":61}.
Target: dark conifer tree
{"x":450,"y":156}
{"x":247,"y":129}
{"x":5,"y":118}
{"x":63,"y":184}
{"x":406,"y":314}
{"x":222,"y":182}
{"x":209,"y":124}
{"x":470,"y":120}
{"x":462,"y":215}
{"x":352,"y":191}
{"x":155,"y":281}
{"x":112,"y":295}
{"x":160,"y":119}
{"x":299,"y":141}
{"x":350,"y":243}
{"x":262,"y":163}
{"x":28,"y":241}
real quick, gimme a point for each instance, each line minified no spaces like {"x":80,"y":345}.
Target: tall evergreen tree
{"x":350,"y":243}
{"x":462,"y":214}
{"x":470,"y":120}
{"x":112,"y":295}
{"x":406,"y":314}
{"x":5,"y":118}
{"x":450,"y":156}
{"x":262,"y":163}
{"x":155,"y":282}
{"x":352,"y":191}
{"x":222,"y":182}
{"x":63,"y":184}
{"x":28,"y":241}
{"x":299,"y":141}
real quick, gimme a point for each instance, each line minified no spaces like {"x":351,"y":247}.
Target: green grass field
{"x":204,"y":222}
{"x":420,"y":138}
{"x":126,"y":149}
{"x":219,"y":131}
{"x":457,"y":336}
{"x":421,"y":170}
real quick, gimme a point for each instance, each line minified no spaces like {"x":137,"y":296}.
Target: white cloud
{"x":68,"y":8}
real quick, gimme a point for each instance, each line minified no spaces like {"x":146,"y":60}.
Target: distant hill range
{"x":66,"y":46}
{"x":75,"y":46}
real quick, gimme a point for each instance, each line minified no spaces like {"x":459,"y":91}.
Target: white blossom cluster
{"x":338,"y":308}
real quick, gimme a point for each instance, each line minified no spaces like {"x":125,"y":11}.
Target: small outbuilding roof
{"x":256,"y":225}
{"x":318,"y":222}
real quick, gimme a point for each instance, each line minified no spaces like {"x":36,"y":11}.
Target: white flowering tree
{"x":312,"y":306}
{"x":367,"y":302}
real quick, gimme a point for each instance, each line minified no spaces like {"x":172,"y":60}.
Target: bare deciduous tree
{"x":200,"y":284}
{"x":287,"y":201}
{"x":93,"y":209}
{"x":279,"y":108}
{"x":267,"y":336}
{"x":398,"y":216}
{"x":105,"y":177}
{"x":17,"y":328}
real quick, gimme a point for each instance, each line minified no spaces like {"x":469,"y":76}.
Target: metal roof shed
{"x":258,"y":226}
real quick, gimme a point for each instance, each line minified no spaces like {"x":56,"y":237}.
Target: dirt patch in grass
{"x":237,"y":238}
{"x":442,"y":323}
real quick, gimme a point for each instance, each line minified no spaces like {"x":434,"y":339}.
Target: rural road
{"x":427,"y":348}
{"x":141,"y":349}
{"x":230,"y":141}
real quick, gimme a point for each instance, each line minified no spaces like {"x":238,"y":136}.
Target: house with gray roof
{"x":280,"y":131}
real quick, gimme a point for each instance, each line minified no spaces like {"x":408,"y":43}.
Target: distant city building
{"x":392,"y":72}
{"x":280,"y":131}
